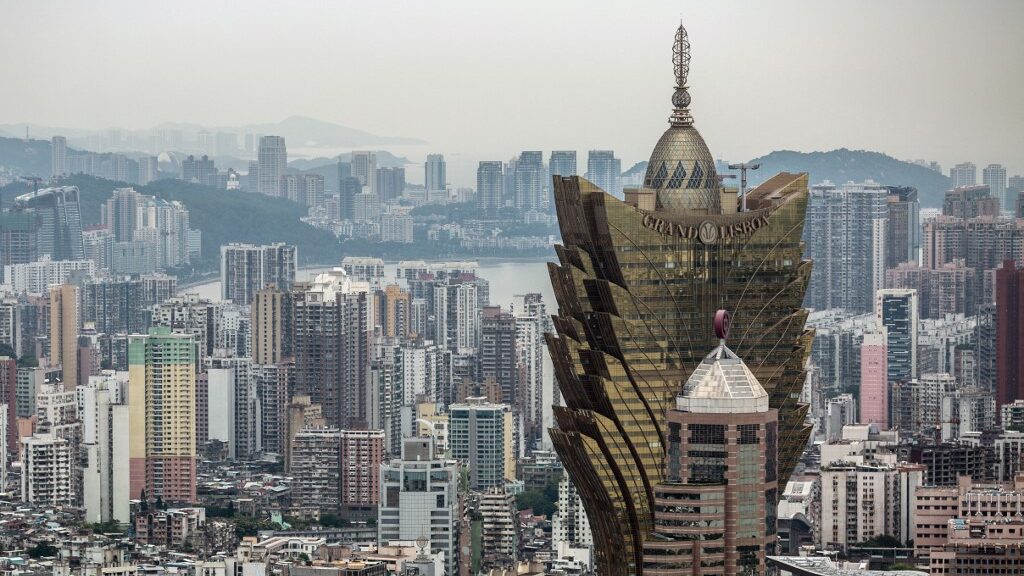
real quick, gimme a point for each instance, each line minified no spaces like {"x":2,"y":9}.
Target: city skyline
{"x":848,"y":77}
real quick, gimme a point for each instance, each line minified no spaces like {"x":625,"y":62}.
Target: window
{"x":707,"y":433}
{"x":748,"y":434}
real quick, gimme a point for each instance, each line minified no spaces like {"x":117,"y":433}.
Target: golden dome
{"x":681,"y":169}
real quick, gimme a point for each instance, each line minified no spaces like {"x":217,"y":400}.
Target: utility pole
{"x":743,"y":167}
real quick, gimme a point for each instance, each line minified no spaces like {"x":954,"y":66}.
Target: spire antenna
{"x":681,"y":64}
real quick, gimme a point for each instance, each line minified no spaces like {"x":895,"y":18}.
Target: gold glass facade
{"x":636,"y":291}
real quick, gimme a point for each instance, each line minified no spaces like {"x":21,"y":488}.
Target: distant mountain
{"x":303,"y":132}
{"x":841,"y":166}
{"x":638,"y":168}
{"x":25,"y":158}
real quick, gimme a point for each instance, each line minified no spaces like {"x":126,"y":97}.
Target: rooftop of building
{"x":722,"y":383}
{"x":822,"y":566}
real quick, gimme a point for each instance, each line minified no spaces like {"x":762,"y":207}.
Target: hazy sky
{"x":932,"y":79}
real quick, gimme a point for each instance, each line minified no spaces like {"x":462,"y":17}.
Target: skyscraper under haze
{"x":435,"y":178}
{"x":964,"y":174}
{"x":490,"y":188}
{"x":637,"y":283}
{"x":58,"y":221}
{"x":529,"y":181}
{"x":364,"y":167}
{"x":604,"y":170}
{"x":994,"y":176}
{"x":59,"y":156}
{"x":562,"y":163}
{"x":273,"y":161}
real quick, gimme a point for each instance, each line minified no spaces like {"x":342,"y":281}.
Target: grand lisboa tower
{"x":637,"y":284}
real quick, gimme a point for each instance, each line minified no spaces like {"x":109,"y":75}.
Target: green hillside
{"x":841,"y":166}
{"x":26,"y":157}
{"x":222,"y":216}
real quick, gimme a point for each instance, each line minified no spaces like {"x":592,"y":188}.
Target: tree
{"x":881,"y":541}
{"x":541,"y":500}
{"x":42,"y":550}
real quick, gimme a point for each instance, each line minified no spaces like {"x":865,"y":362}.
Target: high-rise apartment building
{"x":722,"y":449}
{"x":480,"y":435}
{"x":58,"y":156}
{"x":362,"y":453}
{"x":964,"y":174}
{"x":162,"y":412}
{"x":529,"y":181}
{"x":331,"y":346}
{"x":865,"y":490}
{"x":348,"y":188}
{"x":569,"y":522}
{"x":490,"y":188}
{"x":364,"y":167}
{"x":272,"y":162}
{"x":897,"y":310}
{"x":845,"y":235}
{"x":419,"y":499}
{"x":390,"y":183}
{"x":561,"y":163}
{"x":604,"y":170}
{"x":272,"y":383}
{"x":200,"y":170}
{"x":1009,"y":334}
{"x":315,"y":468}
{"x":618,"y":262}
{"x":58,"y":221}
{"x":903,"y":227}
{"x":120,"y":213}
{"x":499,"y":357}
{"x":148,"y":170}
{"x":435,"y":178}
{"x":64,"y":324}
{"x":1014,"y":187}
{"x":994,"y":176}
{"x":949,"y":289}
{"x":245,"y":269}
{"x":305,"y":189}
{"x":874,"y":380}
{"x":982,"y":243}
{"x":48,"y":466}
{"x":271,"y":323}
{"x":103,"y":410}
{"x":970,"y":202}
{"x":531,"y":322}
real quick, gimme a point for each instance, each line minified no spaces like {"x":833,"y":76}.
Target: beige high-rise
{"x":64,"y":331}
{"x":267,"y":326}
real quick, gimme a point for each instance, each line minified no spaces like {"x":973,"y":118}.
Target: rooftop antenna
{"x":743,"y":167}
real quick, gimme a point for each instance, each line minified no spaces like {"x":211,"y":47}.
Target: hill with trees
{"x":223,"y":216}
